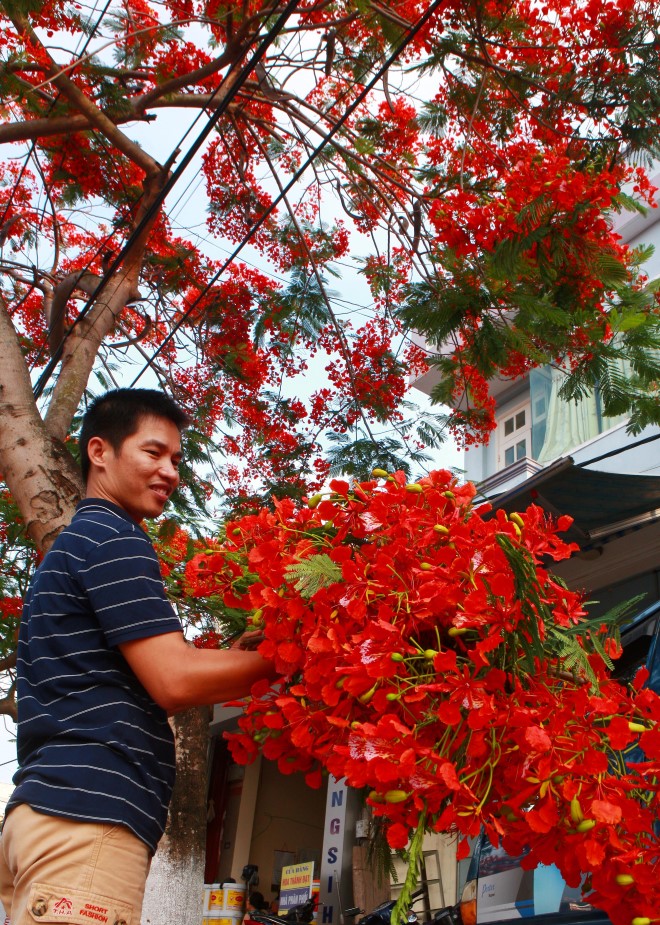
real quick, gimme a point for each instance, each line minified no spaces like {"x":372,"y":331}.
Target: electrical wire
{"x":212,"y":121}
{"x":617,"y":451}
{"x":298,"y":174}
{"x":33,"y":144}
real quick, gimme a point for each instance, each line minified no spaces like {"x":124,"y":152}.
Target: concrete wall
{"x":288,"y":817}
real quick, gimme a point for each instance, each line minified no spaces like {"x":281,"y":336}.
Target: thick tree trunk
{"x":40,"y":473}
{"x":174,"y":888}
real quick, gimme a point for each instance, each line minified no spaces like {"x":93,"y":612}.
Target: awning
{"x":602,"y":504}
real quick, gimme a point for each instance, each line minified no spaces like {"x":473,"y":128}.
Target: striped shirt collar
{"x":91,"y":503}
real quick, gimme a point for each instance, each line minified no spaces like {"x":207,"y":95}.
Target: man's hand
{"x":249,"y":640}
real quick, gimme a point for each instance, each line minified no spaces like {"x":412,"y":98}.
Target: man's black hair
{"x":257,"y":900}
{"x":116,"y":416}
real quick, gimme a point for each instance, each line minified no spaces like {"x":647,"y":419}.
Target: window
{"x":559,"y":426}
{"x":514,"y":432}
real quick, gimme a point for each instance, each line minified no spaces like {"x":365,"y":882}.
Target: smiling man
{"x":101,"y":663}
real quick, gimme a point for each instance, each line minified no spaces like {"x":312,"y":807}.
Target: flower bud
{"x":366,"y":697}
{"x":396,"y":796}
{"x":624,"y":879}
{"x":576,"y":810}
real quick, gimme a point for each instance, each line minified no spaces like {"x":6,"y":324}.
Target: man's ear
{"x":97,"y":451}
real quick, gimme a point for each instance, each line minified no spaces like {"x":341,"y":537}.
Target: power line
{"x":615,"y":452}
{"x":243,"y":75}
{"x":298,"y":174}
{"x":50,"y":109}
{"x":198,"y":179}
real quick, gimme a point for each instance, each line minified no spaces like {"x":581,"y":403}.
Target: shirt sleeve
{"x":125,"y":588}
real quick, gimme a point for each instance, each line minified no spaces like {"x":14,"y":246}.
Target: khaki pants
{"x":75,"y":873}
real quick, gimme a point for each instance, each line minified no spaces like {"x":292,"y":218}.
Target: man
{"x":101,"y":662}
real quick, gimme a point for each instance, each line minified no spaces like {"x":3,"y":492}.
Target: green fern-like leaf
{"x":573,"y":658}
{"x":569,"y":647}
{"x":379,"y":853}
{"x":313,"y":573}
{"x":413,"y":856}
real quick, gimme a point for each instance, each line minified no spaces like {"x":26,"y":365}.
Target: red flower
{"x":421,"y":646}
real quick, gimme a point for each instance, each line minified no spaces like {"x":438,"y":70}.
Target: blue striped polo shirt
{"x":92,"y":744}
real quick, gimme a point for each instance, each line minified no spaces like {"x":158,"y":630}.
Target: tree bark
{"x":40,"y":473}
{"x":174,"y":888}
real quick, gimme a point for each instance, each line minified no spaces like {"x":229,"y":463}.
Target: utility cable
{"x":621,"y":449}
{"x":243,"y":75}
{"x":298,"y":174}
{"x":33,"y":143}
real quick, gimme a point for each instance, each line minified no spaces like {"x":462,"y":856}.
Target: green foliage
{"x":574,"y":655}
{"x":190,"y":502}
{"x":413,"y":857}
{"x":301,"y":309}
{"x":523,"y":310}
{"x":19,"y":560}
{"x":169,"y":272}
{"x":379,"y":853}
{"x":433,"y":119}
{"x":313,"y":573}
{"x":430,"y":428}
{"x":358,"y":456}
{"x":571,"y":644}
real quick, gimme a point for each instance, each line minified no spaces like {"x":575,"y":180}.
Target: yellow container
{"x":214,"y":897}
{"x":222,"y":917}
{"x":234,"y":898}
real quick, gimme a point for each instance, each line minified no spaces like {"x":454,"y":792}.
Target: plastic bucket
{"x":213,"y":897}
{"x":222,"y":917}
{"x":234,"y":898}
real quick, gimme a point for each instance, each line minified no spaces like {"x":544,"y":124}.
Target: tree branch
{"x":341,"y":337}
{"x":85,"y":106}
{"x":9,"y":661}
{"x":8,"y":705}
{"x":84,"y":341}
{"x":34,"y":129}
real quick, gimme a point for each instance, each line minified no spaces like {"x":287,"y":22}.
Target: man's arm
{"x":179,"y":676}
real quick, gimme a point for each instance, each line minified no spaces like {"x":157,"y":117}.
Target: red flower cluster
{"x":11,"y":608}
{"x":425,"y":655}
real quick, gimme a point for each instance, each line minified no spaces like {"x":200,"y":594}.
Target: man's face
{"x":140,"y":477}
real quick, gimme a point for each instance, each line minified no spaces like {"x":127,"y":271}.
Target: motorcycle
{"x":382,"y":914}
{"x":450,"y":915}
{"x":298,"y":915}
